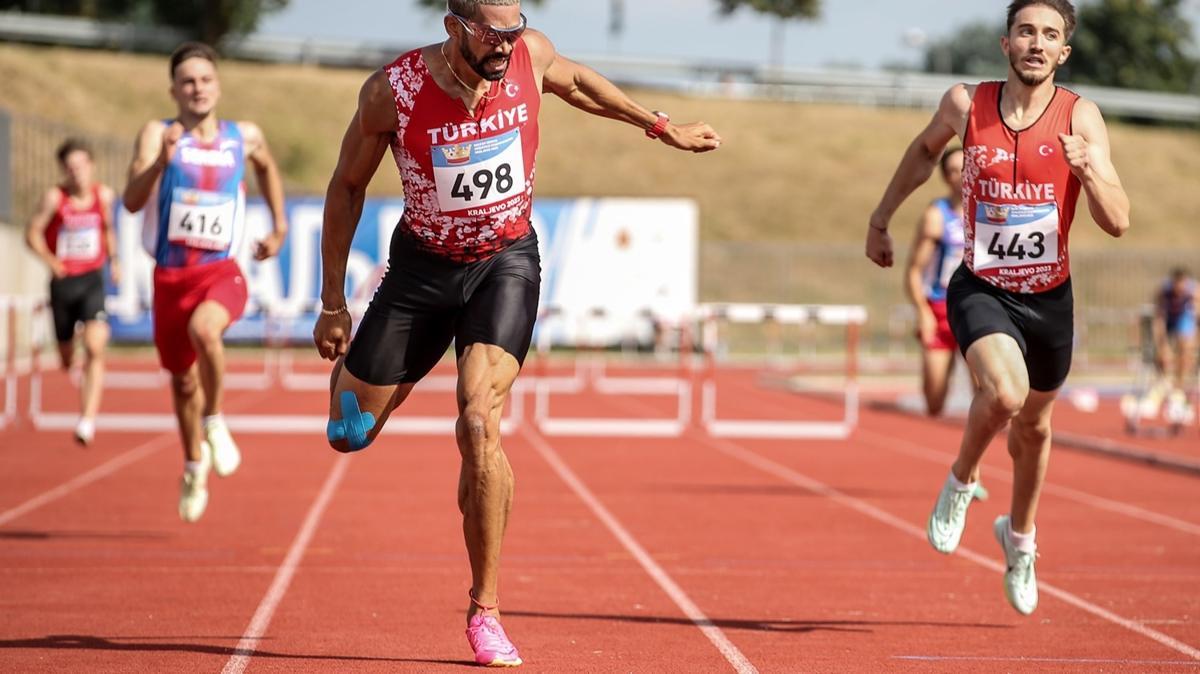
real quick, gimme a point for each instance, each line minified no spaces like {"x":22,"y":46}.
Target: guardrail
{"x":694,"y":77}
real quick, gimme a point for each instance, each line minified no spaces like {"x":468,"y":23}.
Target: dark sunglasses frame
{"x":490,"y":34}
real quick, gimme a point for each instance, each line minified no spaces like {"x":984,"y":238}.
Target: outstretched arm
{"x":918,"y":163}
{"x":271,"y":186}
{"x":35,"y":232}
{"x":366,"y":140}
{"x":1087,"y":152}
{"x":589,"y":91}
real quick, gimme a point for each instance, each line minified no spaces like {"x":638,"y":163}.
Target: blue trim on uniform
{"x":354,"y":426}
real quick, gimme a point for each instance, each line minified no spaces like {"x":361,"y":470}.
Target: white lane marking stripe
{"x":284,"y":574}
{"x":99,"y":472}
{"x":911,"y":449}
{"x":652,"y":568}
{"x":1032,"y":658}
{"x":788,"y":475}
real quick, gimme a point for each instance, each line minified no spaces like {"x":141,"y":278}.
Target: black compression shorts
{"x":1043,"y":324}
{"x":424,"y":302}
{"x":76,"y":299}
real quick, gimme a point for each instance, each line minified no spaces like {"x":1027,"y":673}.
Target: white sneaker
{"x":949,"y":517}
{"x":85,"y":431}
{"x":193,"y":494}
{"x":1020,"y":584}
{"x":225,"y":455}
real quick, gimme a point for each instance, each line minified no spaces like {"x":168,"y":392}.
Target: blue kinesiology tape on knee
{"x":354,"y":426}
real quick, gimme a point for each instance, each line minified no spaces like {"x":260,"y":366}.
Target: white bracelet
{"x":335,"y":312}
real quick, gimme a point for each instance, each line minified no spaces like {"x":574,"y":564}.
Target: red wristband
{"x":660,"y":125}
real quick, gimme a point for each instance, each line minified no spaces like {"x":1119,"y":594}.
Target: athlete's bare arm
{"x":589,"y":91}
{"x":107,"y":199}
{"x":917,"y":164}
{"x":367,"y":138}
{"x":152,"y":151}
{"x":266,"y":171}
{"x":928,"y":231}
{"x":35,"y":232}
{"x":1087,"y":153}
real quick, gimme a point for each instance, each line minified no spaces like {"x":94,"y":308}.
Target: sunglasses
{"x":490,"y":34}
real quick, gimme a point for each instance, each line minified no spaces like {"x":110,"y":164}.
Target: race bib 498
{"x":201,"y":219}
{"x":477,"y":174}
{"x":1008,"y":235}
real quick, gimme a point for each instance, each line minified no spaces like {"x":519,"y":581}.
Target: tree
{"x":207,"y":20}
{"x":783,"y":10}
{"x":440,"y":5}
{"x":974,"y":50}
{"x":1136,"y":44}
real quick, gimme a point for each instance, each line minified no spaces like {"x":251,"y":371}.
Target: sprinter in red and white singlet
{"x":1030,"y":148}
{"x":461,"y":119}
{"x":73,"y":233}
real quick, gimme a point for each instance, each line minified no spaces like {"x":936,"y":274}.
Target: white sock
{"x":193,"y":467}
{"x":1023,"y":542}
{"x":962,"y":486}
{"x":217,"y":418}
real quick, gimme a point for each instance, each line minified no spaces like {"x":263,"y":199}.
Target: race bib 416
{"x":1008,"y":235}
{"x":480,"y":173}
{"x":201,"y":219}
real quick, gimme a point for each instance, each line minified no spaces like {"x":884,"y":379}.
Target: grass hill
{"x":787,"y":172}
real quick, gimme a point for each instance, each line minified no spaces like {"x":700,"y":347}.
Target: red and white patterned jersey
{"x":1019,"y":194}
{"x":468,"y":176}
{"x":76,"y":236}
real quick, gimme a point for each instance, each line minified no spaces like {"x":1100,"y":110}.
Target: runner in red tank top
{"x":461,"y":119}
{"x":1030,"y":148}
{"x":72,"y":232}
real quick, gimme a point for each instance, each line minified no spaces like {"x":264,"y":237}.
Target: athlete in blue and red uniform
{"x":936,"y":253}
{"x":1174,"y":328}
{"x":461,"y":118}
{"x":1030,"y":147}
{"x":188,"y":175}
{"x":72,"y":233}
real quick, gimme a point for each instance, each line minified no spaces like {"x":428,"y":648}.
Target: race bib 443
{"x":480,"y":173}
{"x":1008,"y":235}
{"x":201,"y":219}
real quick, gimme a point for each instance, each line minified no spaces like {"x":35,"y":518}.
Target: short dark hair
{"x":1180,"y":273}
{"x":190,"y":50}
{"x":950,"y":152}
{"x":1063,"y":7}
{"x":71,"y":145}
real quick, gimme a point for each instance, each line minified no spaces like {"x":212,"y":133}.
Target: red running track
{"x":623,"y":555}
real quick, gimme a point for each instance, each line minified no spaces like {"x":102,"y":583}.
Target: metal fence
{"x":1112,"y":288}
{"x":28,"y":166}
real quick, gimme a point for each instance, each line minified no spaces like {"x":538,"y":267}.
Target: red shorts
{"x":177,"y":293}
{"x":943,"y":338}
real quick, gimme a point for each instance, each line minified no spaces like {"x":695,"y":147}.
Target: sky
{"x":862,"y":33}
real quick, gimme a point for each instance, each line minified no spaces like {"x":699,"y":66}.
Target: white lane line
{"x":286,"y":571}
{"x":1056,"y":661}
{"x":803,"y":481}
{"x":900,"y":446}
{"x":99,"y":472}
{"x":652,"y":568}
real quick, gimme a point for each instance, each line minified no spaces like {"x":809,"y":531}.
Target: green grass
{"x":787,"y":172}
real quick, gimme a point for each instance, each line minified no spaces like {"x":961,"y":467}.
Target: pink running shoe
{"x":490,"y":643}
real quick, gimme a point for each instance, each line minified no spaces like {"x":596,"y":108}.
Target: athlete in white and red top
{"x":72,"y":232}
{"x":1030,"y":148}
{"x":461,"y":118}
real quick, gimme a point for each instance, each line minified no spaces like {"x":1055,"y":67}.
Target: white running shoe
{"x":85,"y":431}
{"x":1020,"y":584}
{"x":949,"y":517}
{"x":225,"y":455}
{"x":193,"y":494}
